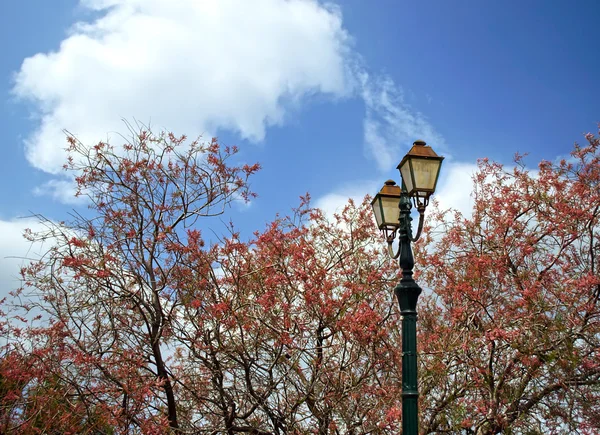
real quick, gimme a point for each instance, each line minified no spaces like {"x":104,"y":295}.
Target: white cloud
{"x":455,"y":187}
{"x":391,"y":125}
{"x":15,"y":251}
{"x":61,"y":190}
{"x":194,"y":66}
{"x":454,"y":190}
{"x":335,"y":201}
{"x":197,"y":66}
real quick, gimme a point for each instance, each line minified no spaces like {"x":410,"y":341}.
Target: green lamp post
{"x":419,"y":170}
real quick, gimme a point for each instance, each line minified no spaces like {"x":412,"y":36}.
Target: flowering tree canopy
{"x":146,"y":328}
{"x":510,"y":334}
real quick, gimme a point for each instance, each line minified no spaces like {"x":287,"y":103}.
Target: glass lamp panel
{"x":425,"y":172}
{"x":405,"y":172}
{"x":378,"y":210}
{"x":391,"y":212}
{"x":386,"y":211}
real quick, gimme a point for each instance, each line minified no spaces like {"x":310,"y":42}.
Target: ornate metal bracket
{"x":404,"y":228}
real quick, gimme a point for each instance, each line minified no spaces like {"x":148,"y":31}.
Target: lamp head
{"x":385,"y":206}
{"x":420,"y":169}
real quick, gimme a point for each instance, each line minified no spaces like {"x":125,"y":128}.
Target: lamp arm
{"x":404,"y":230}
{"x":420,"y":227}
{"x":405,"y":227}
{"x":390,"y":241}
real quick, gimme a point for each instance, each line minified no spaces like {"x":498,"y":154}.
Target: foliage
{"x":106,"y":285}
{"x":146,"y":329}
{"x":151,"y":331}
{"x":510,"y":336}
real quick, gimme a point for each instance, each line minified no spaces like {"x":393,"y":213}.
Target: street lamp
{"x":419,"y":170}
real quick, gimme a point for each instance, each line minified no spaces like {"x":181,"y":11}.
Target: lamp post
{"x":419,"y":170}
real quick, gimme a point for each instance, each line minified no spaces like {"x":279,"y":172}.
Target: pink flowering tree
{"x":510,"y":331}
{"x":297,"y":333}
{"x":106,"y":288}
{"x":147,"y":328}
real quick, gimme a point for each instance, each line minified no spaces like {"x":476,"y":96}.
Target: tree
{"x":510,"y":333}
{"x":152,"y":331}
{"x":106,"y":283}
{"x":293,"y":335}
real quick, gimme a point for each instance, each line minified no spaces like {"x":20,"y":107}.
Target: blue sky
{"x":326,"y":96}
